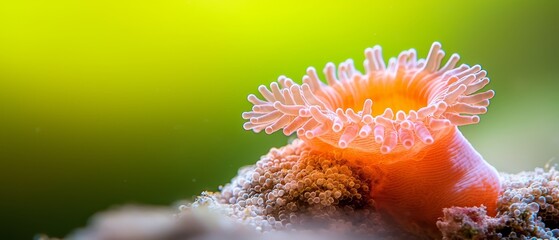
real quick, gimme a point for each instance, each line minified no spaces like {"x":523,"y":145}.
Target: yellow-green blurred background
{"x":111,"y":102}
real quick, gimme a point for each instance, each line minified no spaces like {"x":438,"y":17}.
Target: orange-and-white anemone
{"x":402,"y":119}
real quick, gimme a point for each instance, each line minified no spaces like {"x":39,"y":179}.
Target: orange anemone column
{"x":414,"y":190}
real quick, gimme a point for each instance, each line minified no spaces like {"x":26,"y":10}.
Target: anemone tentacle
{"x":428,"y":97}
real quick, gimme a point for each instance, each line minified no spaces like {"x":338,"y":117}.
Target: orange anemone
{"x":400,"y":119}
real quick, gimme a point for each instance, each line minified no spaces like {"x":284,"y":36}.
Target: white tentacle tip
{"x":337,"y":127}
{"x":246,"y":115}
{"x":251,"y":97}
{"x":303,"y":112}
{"x":368,"y":119}
{"x":491,"y":94}
{"x":369,"y":52}
{"x":406,"y":124}
{"x":363,"y":134}
{"x":475,"y":119}
{"x":428,"y":140}
{"x":343,"y":144}
{"x":309,"y":135}
{"x":269,"y":130}
{"x":301,"y":132}
{"x":365,"y":131}
{"x":407,"y":144}
{"x":385,"y":149}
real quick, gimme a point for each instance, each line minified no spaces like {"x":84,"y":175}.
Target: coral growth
{"x":292,"y":187}
{"x":400,"y":121}
{"x":522,"y":212}
{"x":527,"y":208}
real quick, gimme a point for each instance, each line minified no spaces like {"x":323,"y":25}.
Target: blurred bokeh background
{"x":110,"y":102}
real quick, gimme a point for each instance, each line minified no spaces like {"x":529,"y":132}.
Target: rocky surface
{"x":293,"y":193}
{"x":527,"y":208}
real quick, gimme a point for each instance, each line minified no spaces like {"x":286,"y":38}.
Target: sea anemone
{"x":398,"y":119}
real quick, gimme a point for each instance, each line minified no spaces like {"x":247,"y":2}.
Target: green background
{"x":109,"y":102}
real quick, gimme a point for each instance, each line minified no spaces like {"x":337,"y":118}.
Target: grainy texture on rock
{"x":292,"y":187}
{"x":293,"y":194}
{"x":527,"y":208}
